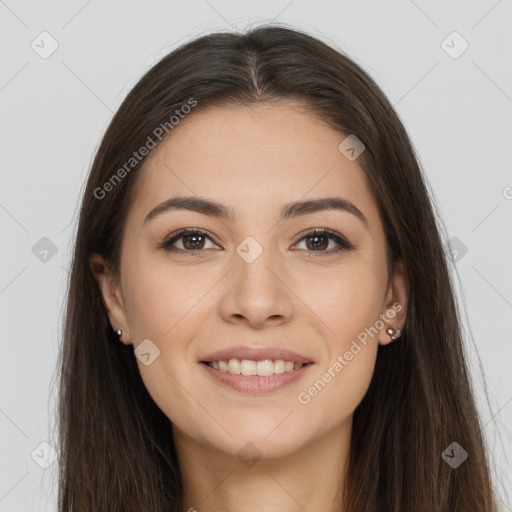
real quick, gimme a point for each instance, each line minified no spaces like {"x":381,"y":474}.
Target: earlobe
{"x":111,"y":295}
{"x":395,"y":307}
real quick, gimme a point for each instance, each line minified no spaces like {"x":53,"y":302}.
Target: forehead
{"x":249,"y":157}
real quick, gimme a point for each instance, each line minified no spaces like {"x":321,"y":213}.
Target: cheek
{"x":159,"y":301}
{"x":348,"y":302}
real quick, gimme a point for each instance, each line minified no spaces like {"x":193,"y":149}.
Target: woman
{"x":260,"y":314}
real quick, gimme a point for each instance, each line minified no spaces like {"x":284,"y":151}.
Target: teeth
{"x":265,"y":368}
{"x":279,"y":366}
{"x":234,"y":366}
{"x":248,"y":367}
{"x":261,"y":368}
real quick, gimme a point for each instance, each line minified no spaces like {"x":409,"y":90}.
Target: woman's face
{"x":252,"y":284}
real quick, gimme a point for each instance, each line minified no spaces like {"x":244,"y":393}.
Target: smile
{"x":249,"y":367}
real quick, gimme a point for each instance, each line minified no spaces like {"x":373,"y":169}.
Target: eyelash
{"x":343,"y":244}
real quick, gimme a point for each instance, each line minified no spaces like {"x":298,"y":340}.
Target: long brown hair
{"x":116,"y":446}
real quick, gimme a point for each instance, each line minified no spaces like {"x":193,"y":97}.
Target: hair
{"x":116,"y":446}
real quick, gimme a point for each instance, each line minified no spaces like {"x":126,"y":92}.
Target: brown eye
{"x":191,"y":240}
{"x":319,"y":240}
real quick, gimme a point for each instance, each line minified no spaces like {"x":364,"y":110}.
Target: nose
{"x":256,"y":293}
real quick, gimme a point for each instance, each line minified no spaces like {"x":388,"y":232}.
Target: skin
{"x":254,"y":160}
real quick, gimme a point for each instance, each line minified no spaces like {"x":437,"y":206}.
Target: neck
{"x":309,"y":478}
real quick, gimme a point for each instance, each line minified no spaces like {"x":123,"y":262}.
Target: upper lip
{"x":255,"y":354}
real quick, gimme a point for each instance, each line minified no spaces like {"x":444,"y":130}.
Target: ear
{"x":394,"y":312}
{"x":112,"y":297}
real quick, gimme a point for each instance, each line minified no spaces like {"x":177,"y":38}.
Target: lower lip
{"x":255,"y":384}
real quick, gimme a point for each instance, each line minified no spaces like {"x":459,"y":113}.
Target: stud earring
{"x":393,"y":333}
{"x":119,"y":332}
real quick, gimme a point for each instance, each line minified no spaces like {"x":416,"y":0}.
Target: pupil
{"x":316,"y":238}
{"x":188,"y":237}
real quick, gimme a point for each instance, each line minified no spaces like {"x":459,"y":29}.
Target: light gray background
{"x":54,"y":111}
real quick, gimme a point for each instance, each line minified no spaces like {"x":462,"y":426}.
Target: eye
{"x":319,"y":240}
{"x":191,"y":240}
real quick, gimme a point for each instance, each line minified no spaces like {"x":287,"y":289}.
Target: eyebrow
{"x":288,"y":211}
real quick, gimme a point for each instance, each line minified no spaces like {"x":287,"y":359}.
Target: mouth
{"x":255,"y":371}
